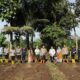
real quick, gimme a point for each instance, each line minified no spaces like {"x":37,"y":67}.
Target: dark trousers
{"x":65,"y":56}
{"x":13,"y":58}
{"x":79,"y":57}
{"x":23,"y":58}
{"x":7,"y":56}
{"x":0,"y":56}
{"x":51,"y":58}
{"x":73,"y":56}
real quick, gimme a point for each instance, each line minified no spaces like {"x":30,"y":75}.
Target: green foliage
{"x":27,"y":29}
{"x":35,"y":13}
{"x":77,"y":11}
{"x":53,"y":35}
{"x":9,"y":29}
{"x":38,"y":43}
{"x":2,"y":39}
{"x":8,"y":9}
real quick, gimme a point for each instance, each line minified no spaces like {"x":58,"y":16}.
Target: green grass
{"x":56,"y":74}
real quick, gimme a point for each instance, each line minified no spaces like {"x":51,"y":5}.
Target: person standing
{"x":18,"y":54}
{"x":1,"y":52}
{"x":6,"y":54}
{"x":30,"y":55}
{"x":23,"y":55}
{"x":43,"y":53}
{"x":73,"y":51}
{"x":12,"y":55}
{"x":65,"y":53}
{"x":59,"y":54}
{"x":79,"y":53}
{"x":37,"y":53}
{"x":52,"y":54}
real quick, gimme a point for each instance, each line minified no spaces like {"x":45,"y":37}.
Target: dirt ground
{"x":71,"y":71}
{"x":37,"y":71}
{"x":24,"y":72}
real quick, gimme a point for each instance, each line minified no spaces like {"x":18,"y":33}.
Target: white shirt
{"x":12,"y":52}
{"x":52,"y":52}
{"x":37,"y":51}
{"x":0,"y":50}
{"x":6,"y":50}
{"x":64,"y":50}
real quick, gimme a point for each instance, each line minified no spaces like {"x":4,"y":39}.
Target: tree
{"x":53,"y":35}
{"x":77,"y":11}
{"x":39,"y":13}
{"x":2,"y":39}
{"x":27,"y":30}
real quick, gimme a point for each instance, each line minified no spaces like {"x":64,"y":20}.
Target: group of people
{"x":22,"y":54}
{"x":55,"y":54}
{"x":14,"y":54}
{"x":58,"y":55}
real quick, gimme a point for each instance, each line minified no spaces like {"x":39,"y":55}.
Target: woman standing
{"x":30,"y":55}
{"x":59,"y":55}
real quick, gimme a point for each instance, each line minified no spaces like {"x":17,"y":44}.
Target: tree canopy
{"x":2,"y":39}
{"x":53,"y":18}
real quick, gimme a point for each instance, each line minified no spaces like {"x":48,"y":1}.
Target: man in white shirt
{"x":37,"y":53}
{"x":52,"y":54}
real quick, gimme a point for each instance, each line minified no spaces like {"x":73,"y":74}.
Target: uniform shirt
{"x":52,"y":52}
{"x":0,"y":50}
{"x":6,"y":51}
{"x":37,"y":51}
{"x":18,"y":51}
{"x":12,"y":52}
{"x":64,"y":50}
{"x":43,"y":51}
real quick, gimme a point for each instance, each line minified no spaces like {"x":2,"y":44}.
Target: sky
{"x":72,"y":1}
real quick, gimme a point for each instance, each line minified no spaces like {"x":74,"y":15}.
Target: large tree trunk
{"x":27,"y":40}
{"x":11,"y":38}
{"x":76,"y":40}
{"x":32,"y":41}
